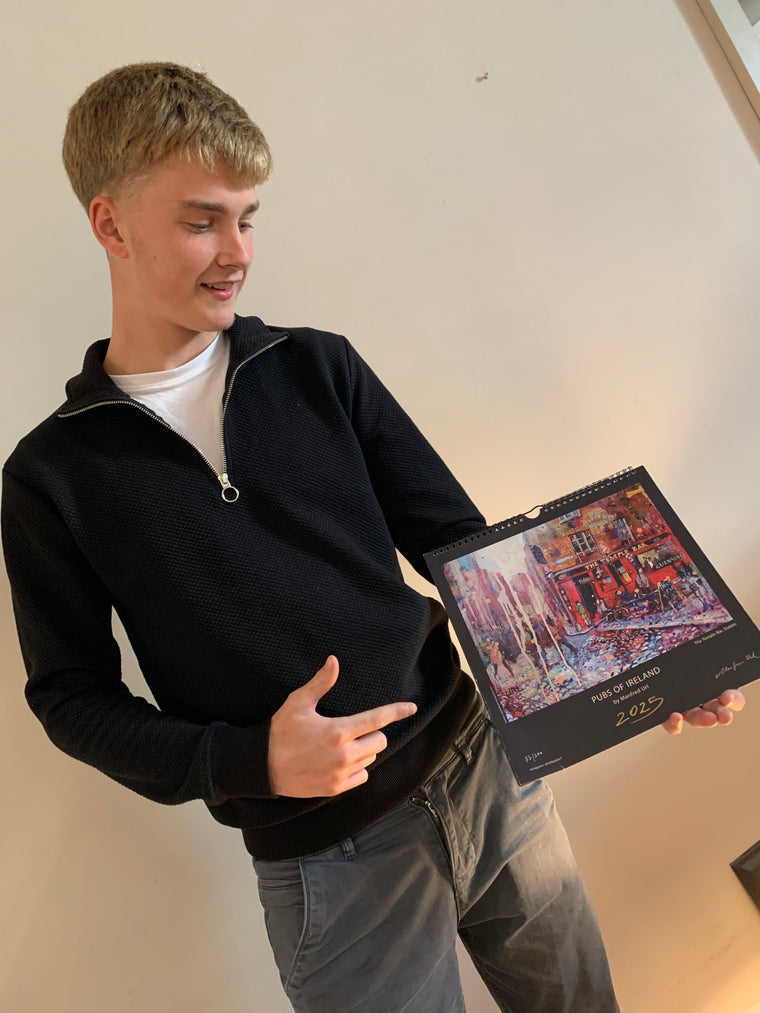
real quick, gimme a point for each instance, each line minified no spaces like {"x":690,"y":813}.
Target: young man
{"x":237,"y":492}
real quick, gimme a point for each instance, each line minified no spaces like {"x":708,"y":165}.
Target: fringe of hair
{"x":132,"y":119}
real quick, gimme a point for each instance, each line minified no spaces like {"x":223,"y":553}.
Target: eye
{"x":246,"y":226}
{"x":199,"y":226}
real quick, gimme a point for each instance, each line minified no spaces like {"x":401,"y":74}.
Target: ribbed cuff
{"x":240,"y":765}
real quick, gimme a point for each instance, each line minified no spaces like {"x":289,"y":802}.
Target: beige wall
{"x":555,"y":270}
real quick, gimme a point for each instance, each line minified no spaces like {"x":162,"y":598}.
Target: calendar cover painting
{"x":592,"y":622}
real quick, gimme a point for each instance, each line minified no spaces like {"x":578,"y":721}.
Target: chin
{"x":224,"y":320}
{"x":218,"y":321}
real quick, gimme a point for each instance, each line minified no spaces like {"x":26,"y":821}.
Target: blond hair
{"x":132,"y":119}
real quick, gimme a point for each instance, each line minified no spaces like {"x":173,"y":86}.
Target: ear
{"x":105,"y":223}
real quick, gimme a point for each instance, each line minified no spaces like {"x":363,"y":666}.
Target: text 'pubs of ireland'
{"x":580,"y":599}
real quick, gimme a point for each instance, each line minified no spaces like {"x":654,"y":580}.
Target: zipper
{"x":427,"y":805}
{"x":229,"y":492}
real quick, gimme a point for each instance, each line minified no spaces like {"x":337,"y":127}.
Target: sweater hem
{"x":389,"y":786}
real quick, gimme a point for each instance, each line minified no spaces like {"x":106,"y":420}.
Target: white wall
{"x":555,"y":271}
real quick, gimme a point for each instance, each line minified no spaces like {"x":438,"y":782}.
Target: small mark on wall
{"x":482,"y":77}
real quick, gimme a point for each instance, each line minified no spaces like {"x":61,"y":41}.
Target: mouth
{"x":219,"y":289}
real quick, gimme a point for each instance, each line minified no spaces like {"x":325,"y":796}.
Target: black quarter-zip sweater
{"x":229,"y":606}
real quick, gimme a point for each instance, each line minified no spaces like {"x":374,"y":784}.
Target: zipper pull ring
{"x":229,"y":492}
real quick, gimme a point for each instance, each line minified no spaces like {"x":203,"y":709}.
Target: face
{"x":187,"y":244}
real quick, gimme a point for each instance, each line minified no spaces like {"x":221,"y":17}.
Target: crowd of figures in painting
{"x":579,"y":599}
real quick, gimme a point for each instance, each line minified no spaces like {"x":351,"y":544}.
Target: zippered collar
{"x":248,"y":336}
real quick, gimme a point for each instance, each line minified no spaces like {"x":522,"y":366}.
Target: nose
{"x":236,"y":248}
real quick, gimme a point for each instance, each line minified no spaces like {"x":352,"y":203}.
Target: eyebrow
{"x":222,"y":209}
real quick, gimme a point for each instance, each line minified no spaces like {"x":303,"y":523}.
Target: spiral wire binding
{"x":512,"y":522}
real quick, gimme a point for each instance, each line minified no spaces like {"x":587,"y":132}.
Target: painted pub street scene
{"x":580,"y":599}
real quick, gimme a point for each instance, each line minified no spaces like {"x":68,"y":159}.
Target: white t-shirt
{"x":189,"y":397}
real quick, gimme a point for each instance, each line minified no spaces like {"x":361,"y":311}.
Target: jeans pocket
{"x":284,"y":897}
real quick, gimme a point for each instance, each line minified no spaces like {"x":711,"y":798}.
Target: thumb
{"x":322,"y":682}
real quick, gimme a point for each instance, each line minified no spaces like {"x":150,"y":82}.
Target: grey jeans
{"x":370,"y":925}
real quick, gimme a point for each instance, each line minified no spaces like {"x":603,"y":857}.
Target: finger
{"x":360,"y":777}
{"x":674,"y":724}
{"x":321,"y":683}
{"x":354,"y":768}
{"x":723,"y":707}
{"x":355,"y":725}
{"x":366,"y":745}
{"x":701,"y":717}
{"x":722,"y":713}
{"x":729,"y":702}
{"x":729,"y":699}
{"x":733,"y":699}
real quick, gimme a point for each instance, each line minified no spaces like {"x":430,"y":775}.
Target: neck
{"x":153,"y":352}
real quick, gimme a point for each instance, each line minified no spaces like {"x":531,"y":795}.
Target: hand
{"x":312,"y":756}
{"x":714,"y":712}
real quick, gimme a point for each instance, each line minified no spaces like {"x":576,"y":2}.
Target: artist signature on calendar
{"x":734,"y":666}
